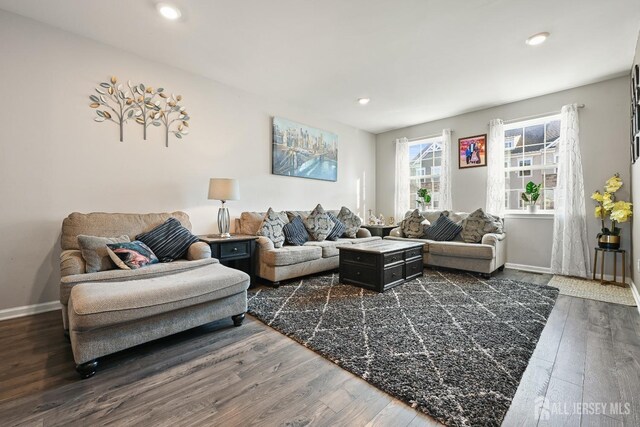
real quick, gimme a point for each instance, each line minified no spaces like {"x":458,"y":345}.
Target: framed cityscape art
{"x":302,"y":151}
{"x":472,"y":151}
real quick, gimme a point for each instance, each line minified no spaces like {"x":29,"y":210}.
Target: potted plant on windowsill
{"x":531,"y":195}
{"x":424,"y":198}
{"x":617,"y":211}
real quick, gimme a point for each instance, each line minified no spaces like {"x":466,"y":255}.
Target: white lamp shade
{"x":224,"y":189}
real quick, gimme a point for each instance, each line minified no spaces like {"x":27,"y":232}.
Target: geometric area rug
{"x":452,"y":345}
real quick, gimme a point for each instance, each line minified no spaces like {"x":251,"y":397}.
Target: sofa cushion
{"x":302,"y":214}
{"x":462,"y":250}
{"x":95,"y":305}
{"x":294,"y":232}
{"x":443,"y":230}
{"x":338,"y":228}
{"x":351,"y":221}
{"x":319,"y":223}
{"x":168,"y":241}
{"x":95,"y":253}
{"x":413,"y":226}
{"x":479,"y":223}
{"x":131,"y":255}
{"x":250,"y":222}
{"x":155,"y":270}
{"x":330,"y":247}
{"x":290,"y":255}
{"x":272,"y":228}
{"x":113,"y":224}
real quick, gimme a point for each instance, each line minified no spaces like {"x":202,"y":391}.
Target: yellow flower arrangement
{"x":608,"y":207}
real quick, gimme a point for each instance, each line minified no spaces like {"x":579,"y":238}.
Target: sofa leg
{"x":486,"y":275}
{"x":238,"y":319}
{"x":501,"y":268}
{"x":67,"y":336}
{"x":275,"y":285}
{"x":87,"y":369}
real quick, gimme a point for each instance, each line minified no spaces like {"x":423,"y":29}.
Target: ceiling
{"x":418,"y":60}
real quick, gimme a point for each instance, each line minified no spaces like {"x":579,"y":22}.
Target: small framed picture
{"x":472,"y":151}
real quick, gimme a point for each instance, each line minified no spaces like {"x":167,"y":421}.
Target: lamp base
{"x":225,"y":236}
{"x":223,"y":221}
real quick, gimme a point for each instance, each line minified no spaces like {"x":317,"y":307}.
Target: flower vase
{"x":609,"y":241}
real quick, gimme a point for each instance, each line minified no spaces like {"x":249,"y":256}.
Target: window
{"x":425,"y":160}
{"x":531,"y":155}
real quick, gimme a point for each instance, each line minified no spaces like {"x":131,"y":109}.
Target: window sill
{"x":548,"y":215}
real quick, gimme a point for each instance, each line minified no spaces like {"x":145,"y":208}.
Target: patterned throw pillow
{"x":338,"y":228}
{"x":413,"y":226}
{"x":351,"y":221}
{"x":479,"y":223}
{"x":443,"y":230}
{"x":319,"y":224}
{"x":272,"y":228}
{"x":168,"y":241}
{"x":94,"y":251}
{"x":295,"y":233}
{"x":131,"y":255}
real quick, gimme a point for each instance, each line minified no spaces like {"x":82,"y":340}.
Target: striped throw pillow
{"x":443,"y":230}
{"x":295,"y":233}
{"x":338,"y":228}
{"x":169,"y":241}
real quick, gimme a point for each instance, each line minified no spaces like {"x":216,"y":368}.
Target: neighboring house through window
{"x":531,"y":154}
{"x":425,"y":159}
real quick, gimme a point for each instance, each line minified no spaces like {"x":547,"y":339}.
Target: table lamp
{"x":223,"y":189}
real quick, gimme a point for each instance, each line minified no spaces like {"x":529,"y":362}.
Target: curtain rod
{"x":536,"y":116}
{"x":418,"y":138}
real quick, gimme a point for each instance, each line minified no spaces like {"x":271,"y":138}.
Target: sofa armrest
{"x":199,"y":250}
{"x":71,"y":262}
{"x":362,"y":232}
{"x":264,"y":244}
{"x":396,"y":232}
{"x":493,"y":238}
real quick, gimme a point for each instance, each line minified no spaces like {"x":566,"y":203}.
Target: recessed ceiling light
{"x":363,"y":101}
{"x":168,"y":11}
{"x":537,"y":39}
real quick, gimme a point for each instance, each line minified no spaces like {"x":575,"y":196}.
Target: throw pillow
{"x":131,"y":255}
{"x":295,"y":233}
{"x":319,"y":223}
{"x":94,"y":251}
{"x":479,"y":223}
{"x":443,"y":230}
{"x":272,"y":228}
{"x":168,"y":241}
{"x":351,"y":221}
{"x":338,"y":228}
{"x":412,"y":226}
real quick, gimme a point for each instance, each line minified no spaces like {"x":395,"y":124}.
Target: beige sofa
{"x":111,"y":310}
{"x":277,"y":264}
{"x":485,"y":257}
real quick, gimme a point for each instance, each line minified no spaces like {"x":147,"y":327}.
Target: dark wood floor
{"x":220,"y":375}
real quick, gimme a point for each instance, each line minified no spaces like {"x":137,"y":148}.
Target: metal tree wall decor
{"x":143,"y":104}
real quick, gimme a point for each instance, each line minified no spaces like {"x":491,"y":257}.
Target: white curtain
{"x":570,"y":251}
{"x":495,"y":169}
{"x":445,"y":172}
{"x":402,"y":189}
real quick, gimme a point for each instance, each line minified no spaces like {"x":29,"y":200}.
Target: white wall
{"x":54,"y":159}
{"x":604,"y":130}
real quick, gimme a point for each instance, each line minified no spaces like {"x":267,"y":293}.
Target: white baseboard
{"x":531,"y":268}
{"x":636,"y":295}
{"x":26,"y":310}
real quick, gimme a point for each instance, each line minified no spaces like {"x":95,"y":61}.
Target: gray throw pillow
{"x":95,"y":253}
{"x":319,"y":224}
{"x":272,"y":228}
{"x":443,"y":230}
{"x":479,"y":223}
{"x":413,"y":226}
{"x":351,"y":221}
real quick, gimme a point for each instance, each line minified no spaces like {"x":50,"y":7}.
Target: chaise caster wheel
{"x":238,"y":319}
{"x":87,"y":369}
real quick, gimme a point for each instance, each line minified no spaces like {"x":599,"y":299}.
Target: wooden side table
{"x":379,"y":230}
{"x":615,"y":266}
{"x":235,"y":252}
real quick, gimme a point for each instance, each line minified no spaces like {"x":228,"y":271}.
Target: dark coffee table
{"x":381,"y":264}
